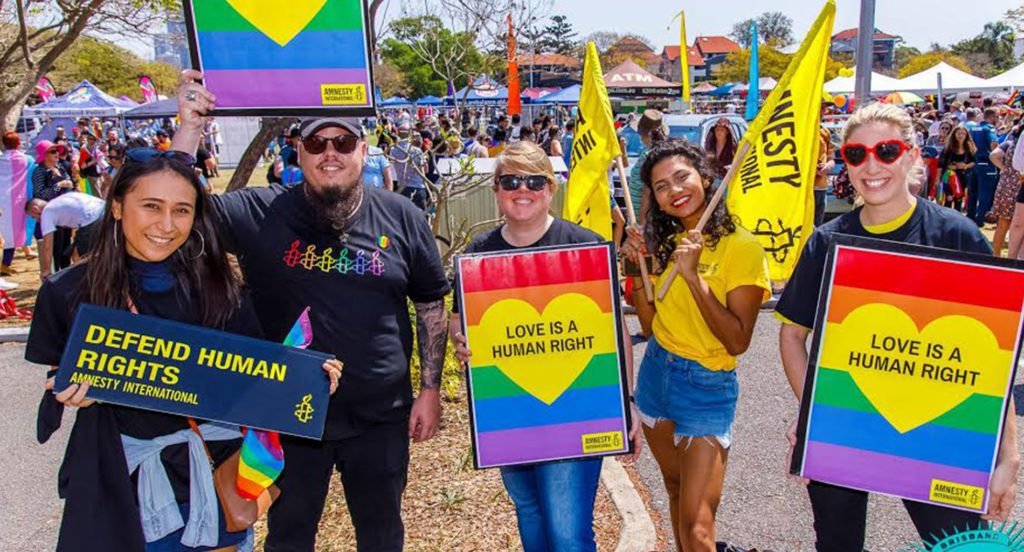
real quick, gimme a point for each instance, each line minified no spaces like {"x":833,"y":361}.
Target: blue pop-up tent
{"x":724,"y":90}
{"x":84,"y":100}
{"x":394,"y":101}
{"x":429,"y":100}
{"x":565,"y":96}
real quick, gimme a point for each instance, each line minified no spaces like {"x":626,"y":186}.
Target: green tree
{"x":35,"y":33}
{"x":771,"y":63}
{"x":447,"y":55}
{"x":928,"y":60}
{"x":1015,"y":18}
{"x":903,"y":55}
{"x":559,"y":36}
{"x":113,"y":69}
{"x":773,"y":28}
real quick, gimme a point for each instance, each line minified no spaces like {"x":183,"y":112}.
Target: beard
{"x":333,"y":207}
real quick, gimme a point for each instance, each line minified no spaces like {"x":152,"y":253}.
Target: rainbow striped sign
{"x":547,"y":380}
{"x":910,"y":371}
{"x":266,"y":57}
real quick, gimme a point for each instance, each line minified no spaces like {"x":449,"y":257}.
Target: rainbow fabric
{"x":315,"y":43}
{"x":262,"y":458}
{"x":15,"y":168}
{"x":901,"y":430}
{"x":519,"y":414}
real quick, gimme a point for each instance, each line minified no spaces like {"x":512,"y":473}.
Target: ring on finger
{"x":190,"y":95}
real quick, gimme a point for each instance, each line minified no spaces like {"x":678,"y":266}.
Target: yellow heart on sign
{"x":909,"y":383}
{"x":546,"y":352}
{"x":279,"y":21}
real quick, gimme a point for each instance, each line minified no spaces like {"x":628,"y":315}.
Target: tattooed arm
{"x":432,"y":335}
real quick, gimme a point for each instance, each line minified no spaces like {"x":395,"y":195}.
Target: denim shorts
{"x":701,"y":402}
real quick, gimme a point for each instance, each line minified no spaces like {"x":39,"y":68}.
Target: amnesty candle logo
{"x":304,"y":410}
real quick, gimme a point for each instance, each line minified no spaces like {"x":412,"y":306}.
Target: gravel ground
{"x":761,"y":508}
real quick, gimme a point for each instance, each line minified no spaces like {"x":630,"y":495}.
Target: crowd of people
{"x":160,"y":244}
{"x":68,"y":179}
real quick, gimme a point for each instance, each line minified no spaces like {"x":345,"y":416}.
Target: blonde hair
{"x":890,"y":114}
{"x":524,"y":158}
{"x":882,"y":113}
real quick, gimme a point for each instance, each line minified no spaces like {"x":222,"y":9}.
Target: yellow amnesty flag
{"x":587,"y":197}
{"x":684,"y":58}
{"x":772,"y":192}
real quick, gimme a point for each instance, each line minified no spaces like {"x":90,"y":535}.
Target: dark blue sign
{"x":166,"y":366}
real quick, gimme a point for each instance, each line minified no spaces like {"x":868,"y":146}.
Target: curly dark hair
{"x":662,"y":228}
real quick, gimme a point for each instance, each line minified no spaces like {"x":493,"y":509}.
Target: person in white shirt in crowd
{"x":74,"y":210}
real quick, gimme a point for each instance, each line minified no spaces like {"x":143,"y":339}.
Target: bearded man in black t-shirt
{"x":355,"y":255}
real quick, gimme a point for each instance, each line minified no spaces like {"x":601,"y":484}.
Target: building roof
{"x":708,"y":45}
{"x":548,"y":59}
{"x":849,"y":34}
{"x":636,"y":48}
{"x":693,"y":57}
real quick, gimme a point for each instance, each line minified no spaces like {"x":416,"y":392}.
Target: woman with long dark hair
{"x":720,"y":147}
{"x":958,"y":156}
{"x":156,"y":253}
{"x":686,"y":390}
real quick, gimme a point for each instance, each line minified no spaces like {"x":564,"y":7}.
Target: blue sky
{"x":919,"y":22}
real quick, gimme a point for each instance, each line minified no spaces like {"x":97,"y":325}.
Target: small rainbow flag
{"x":1015,"y":98}
{"x":262,"y":458}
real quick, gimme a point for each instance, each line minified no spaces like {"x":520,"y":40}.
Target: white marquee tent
{"x":1014,"y":78}
{"x":880,"y":84}
{"x":953,"y":80}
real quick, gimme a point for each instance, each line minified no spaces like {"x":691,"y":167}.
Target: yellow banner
{"x":684,"y":58}
{"x":587,"y":196}
{"x":772,"y":192}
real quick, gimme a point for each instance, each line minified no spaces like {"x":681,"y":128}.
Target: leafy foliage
{"x":558,"y":37}
{"x":113,"y":69}
{"x":927,"y":60}
{"x":773,"y":28}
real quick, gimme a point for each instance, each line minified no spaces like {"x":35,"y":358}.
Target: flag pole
{"x":631,"y":218}
{"x":737,"y":161}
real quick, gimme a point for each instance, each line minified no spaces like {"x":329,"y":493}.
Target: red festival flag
{"x":514,"y":102}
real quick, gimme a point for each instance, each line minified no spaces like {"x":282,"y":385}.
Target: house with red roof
{"x":883,"y":50}
{"x":670,"y":69}
{"x":713,"y":50}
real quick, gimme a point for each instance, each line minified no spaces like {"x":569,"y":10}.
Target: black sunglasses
{"x":512,"y":182}
{"x":345,"y":143}
{"x":145,"y":155}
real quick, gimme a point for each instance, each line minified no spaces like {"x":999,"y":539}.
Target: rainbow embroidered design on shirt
{"x":348,"y":259}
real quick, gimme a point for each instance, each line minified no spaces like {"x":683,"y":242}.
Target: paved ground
{"x":761,"y":507}
{"x":28,"y":487}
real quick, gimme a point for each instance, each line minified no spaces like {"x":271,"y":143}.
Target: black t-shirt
{"x":560,"y":232}
{"x":357,"y":291}
{"x":56,"y":306}
{"x":930,"y":224}
{"x":201,"y":157}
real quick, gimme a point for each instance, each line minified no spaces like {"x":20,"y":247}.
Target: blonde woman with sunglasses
{"x":878,"y":147}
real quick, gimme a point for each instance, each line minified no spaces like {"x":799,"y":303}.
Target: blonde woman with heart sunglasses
{"x":883,"y":160}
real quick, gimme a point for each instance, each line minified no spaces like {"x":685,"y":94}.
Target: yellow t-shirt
{"x":738,"y":260}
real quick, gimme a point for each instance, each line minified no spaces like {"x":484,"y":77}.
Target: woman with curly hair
{"x":687,"y":388}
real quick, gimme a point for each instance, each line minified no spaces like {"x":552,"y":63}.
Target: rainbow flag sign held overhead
{"x":547,"y":377}
{"x":909,"y":376}
{"x":300,"y":57}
